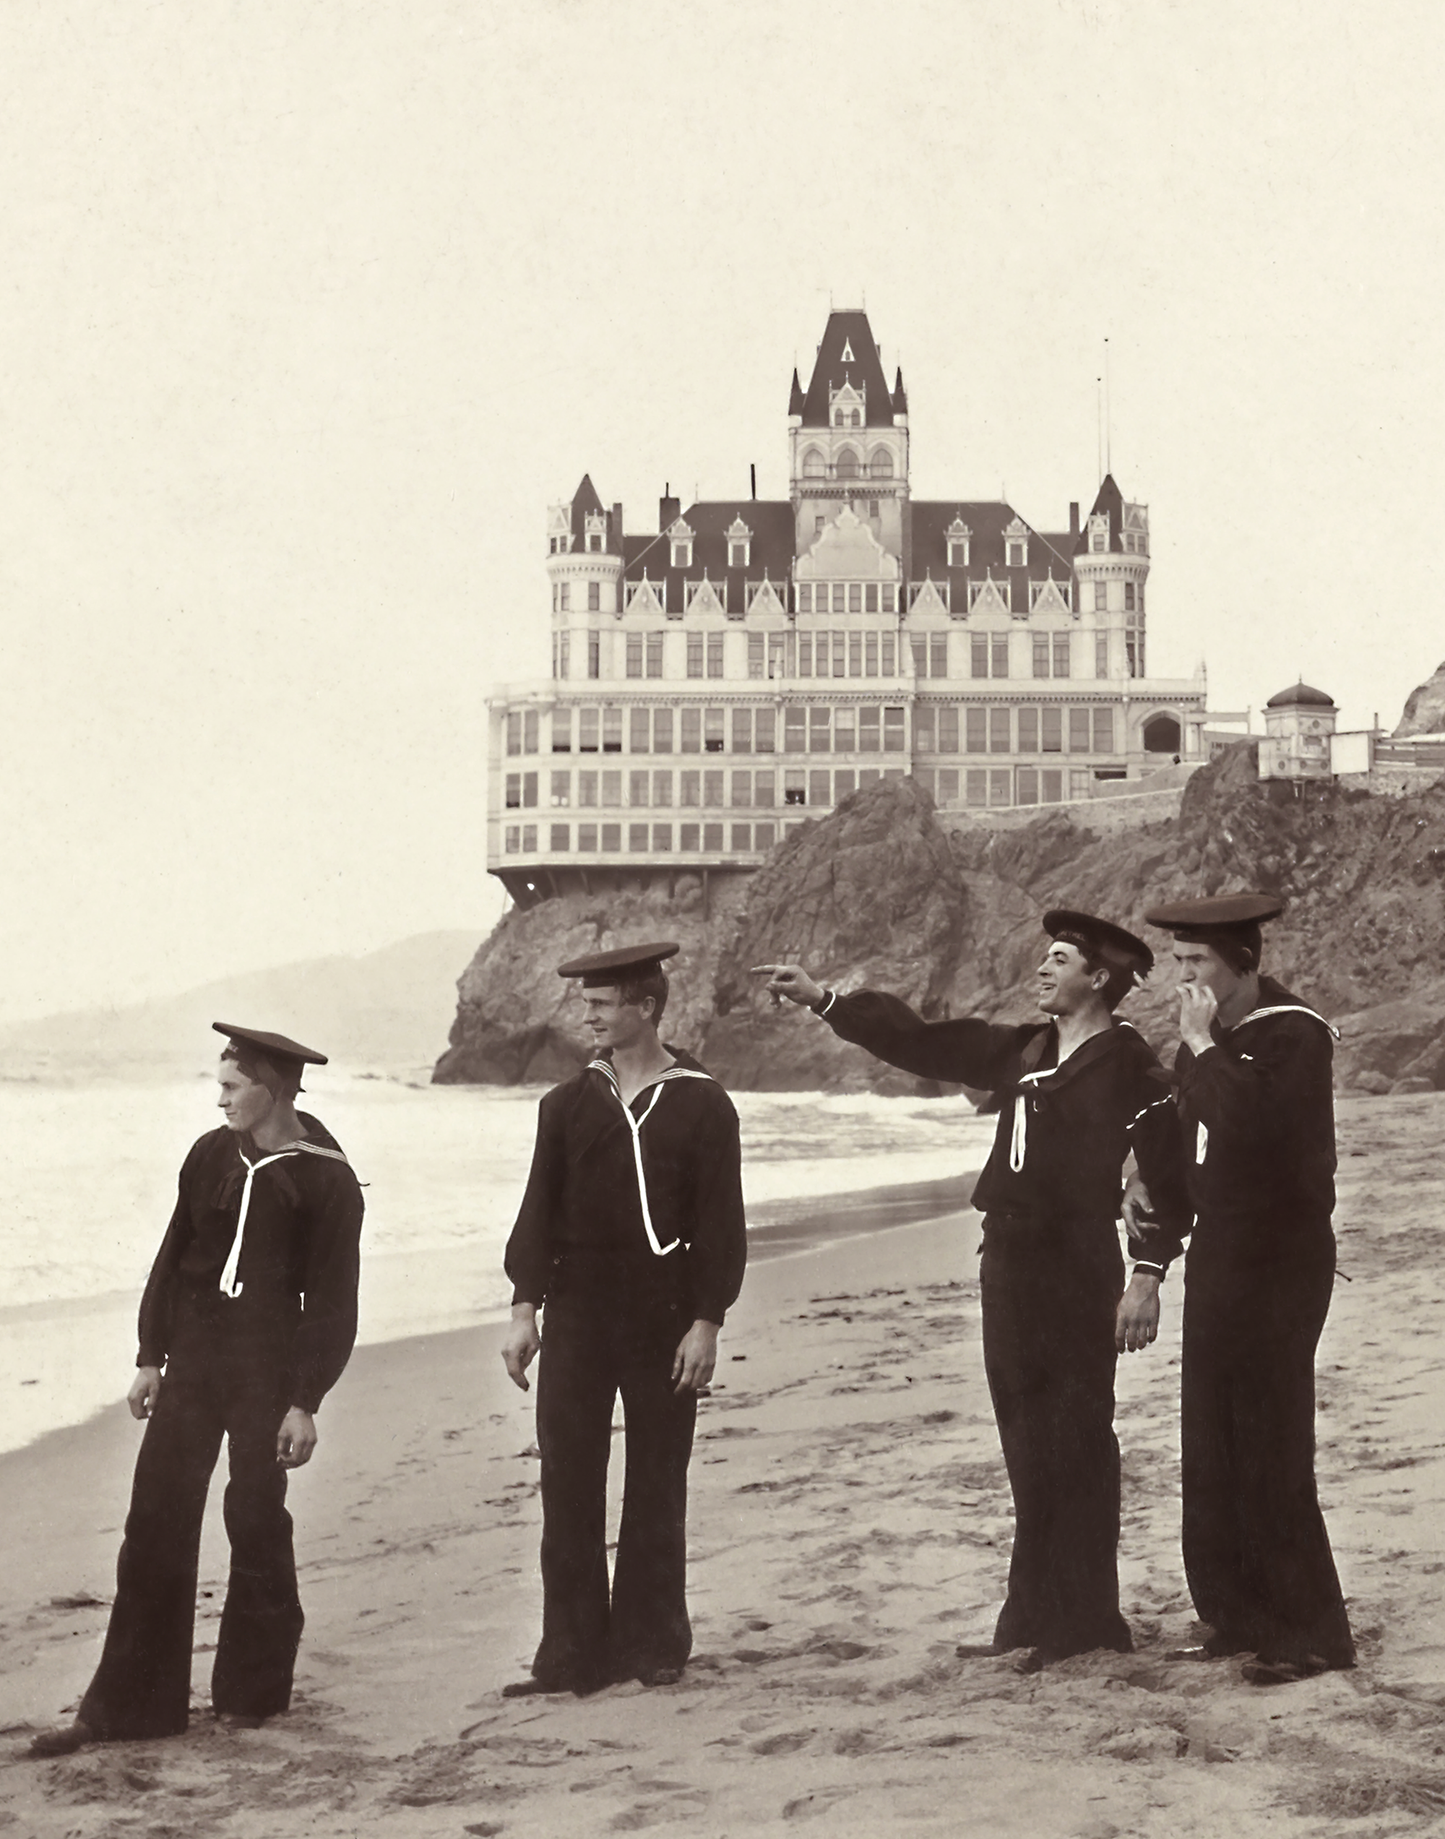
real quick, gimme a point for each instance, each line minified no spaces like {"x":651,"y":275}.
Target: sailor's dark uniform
{"x":1052,"y":1276}
{"x":246,"y":1323}
{"x":630,"y":1230}
{"x":1258,"y":1117}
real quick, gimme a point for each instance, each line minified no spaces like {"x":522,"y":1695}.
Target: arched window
{"x":855,"y":420}
{"x":1161,"y":734}
{"x":847,"y":464}
{"x":813,"y":467}
{"x":881,"y":465}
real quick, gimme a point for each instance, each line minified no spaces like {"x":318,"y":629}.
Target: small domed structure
{"x":1299,"y":722}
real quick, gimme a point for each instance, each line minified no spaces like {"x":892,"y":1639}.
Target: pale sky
{"x":309,"y":311}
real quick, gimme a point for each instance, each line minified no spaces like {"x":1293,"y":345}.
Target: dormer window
{"x":1016,"y":544}
{"x":958,"y":534}
{"x":740,"y":544}
{"x":848,"y":407}
{"x":680,"y":536}
{"x":1099,"y":535}
{"x":596,"y":532}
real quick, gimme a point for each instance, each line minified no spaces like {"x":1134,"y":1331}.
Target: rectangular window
{"x":1131,"y":656}
{"x":855,"y":596}
{"x":923,"y":728}
{"x":1101,"y":654}
{"x":840,"y":654}
{"x":587,"y":789}
{"x":662,"y":730}
{"x":1062,"y":664}
{"x":712,"y":730}
{"x":529,"y":839}
{"x":1078,"y":730}
{"x":587,"y":839}
{"x":795,"y":722}
{"x":778,"y":643}
{"x":1051,"y":786}
{"x":1129,"y":606}
{"x":561,"y":837}
{"x":742,"y":731}
{"x":690,"y":789}
{"x":662,"y":836}
{"x":976,"y":726}
{"x":818,"y":523}
{"x":611,"y":838}
{"x":1041,"y":654}
{"x":868,"y":775}
{"x":845,"y":730}
{"x":715,"y":653}
{"x":694,"y":654}
{"x":712,"y":788}
{"x":1053,"y":731}
{"x":805,"y":654}
{"x":1028,"y":782}
{"x":514,"y":791}
{"x":634,"y":654}
{"x":870,"y":597}
{"x":742,"y":789}
{"x":764,"y":730}
{"x":1103,"y":731}
{"x":639,"y":727}
{"x":844,"y":781}
{"x":868,"y":729}
{"x":938,"y":654}
{"x":888,"y":662}
{"x":998,"y":731}
{"x":688,"y":836}
{"x":890,"y":596}
{"x":594,"y":596}
{"x":1081,"y":782}
{"x":561,"y":731}
{"x":594,"y":654}
{"x":756,"y":658}
{"x":1000,"y":785}
{"x":1028,"y":731}
{"x":742,"y":839}
{"x":918,"y":642}
{"x":805,"y":597}
{"x":819,"y":722}
{"x":978,"y":654}
{"x":529,"y":791}
{"x":637,"y":839}
{"x":662,"y":788}
{"x":564,"y":596}
{"x":561,"y":789}
{"x":612,"y":731}
{"x":514,"y":731}
{"x":976,"y":788}
{"x":870,"y":654}
{"x":612,"y":788}
{"x":691,"y":731}
{"x":795,"y":786}
{"x":855,"y":654}
{"x":894,"y":738}
{"x":948,"y":728}
{"x":529,"y":731}
{"x":818,"y":788}
{"x":712,"y":839}
{"x":763,"y":793}
{"x":654,"y":654}
{"x":948,"y":785}
{"x":1101,"y":597}
{"x":998,"y":654}
{"x":637,"y":788}
{"x":737,"y":555}
{"x":763,"y":836}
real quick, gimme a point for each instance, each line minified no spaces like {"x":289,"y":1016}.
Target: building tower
{"x":848,"y":438}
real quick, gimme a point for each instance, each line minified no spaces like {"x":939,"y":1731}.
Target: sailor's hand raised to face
{"x":1198,"y":1006}
{"x":790,"y":980}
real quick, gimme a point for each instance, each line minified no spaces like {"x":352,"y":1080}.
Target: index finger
{"x":760,"y":970}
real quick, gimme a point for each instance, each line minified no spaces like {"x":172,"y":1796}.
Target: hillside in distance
{"x":388,"y":1008}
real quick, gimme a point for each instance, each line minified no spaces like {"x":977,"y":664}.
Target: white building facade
{"x":754,"y":662}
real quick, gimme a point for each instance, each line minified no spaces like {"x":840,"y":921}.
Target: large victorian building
{"x":753,"y":663}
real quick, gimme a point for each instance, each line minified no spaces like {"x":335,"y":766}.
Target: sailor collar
{"x":668,"y":1076}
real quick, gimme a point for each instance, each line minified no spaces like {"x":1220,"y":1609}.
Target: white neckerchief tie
{"x":634,"y":1124}
{"x":1019,"y":1139}
{"x":229,"y":1285}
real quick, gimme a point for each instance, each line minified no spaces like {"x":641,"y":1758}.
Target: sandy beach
{"x":850,"y":1525}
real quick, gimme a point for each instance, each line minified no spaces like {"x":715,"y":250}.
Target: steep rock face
{"x":881,"y":893}
{"x":1424,"y":708}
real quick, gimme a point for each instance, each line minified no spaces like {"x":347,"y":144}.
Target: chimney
{"x":617,"y":529}
{"x":669,"y":509}
{"x":753,"y":477}
{"x":1074,"y":519}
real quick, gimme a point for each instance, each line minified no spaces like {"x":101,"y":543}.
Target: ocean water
{"x":89,"y":1172}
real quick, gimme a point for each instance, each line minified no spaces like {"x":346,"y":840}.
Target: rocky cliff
{"x":1424,"y":711}
{"x":882,"y":892}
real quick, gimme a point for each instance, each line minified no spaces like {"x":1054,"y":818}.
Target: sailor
{"x":1078,"y":1092}
{"x":1255,"y":1099}
{"x":631,"y":1242}
{"x":246,"y":1323}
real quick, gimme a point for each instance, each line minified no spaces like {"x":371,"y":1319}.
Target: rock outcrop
{"x":1424,"y":708}
{"x":946,"y":914}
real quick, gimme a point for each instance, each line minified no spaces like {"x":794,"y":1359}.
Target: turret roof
{"x":848,"y":355}
{"x":1300,"y":693}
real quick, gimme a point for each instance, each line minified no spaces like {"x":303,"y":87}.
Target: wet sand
{"x":850,"y":1525}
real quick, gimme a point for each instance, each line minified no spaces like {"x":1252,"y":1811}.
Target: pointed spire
{"x":795,"y":396}
{"x":900,"y":395}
